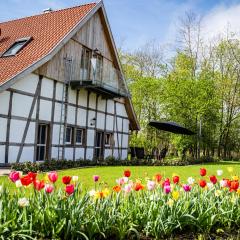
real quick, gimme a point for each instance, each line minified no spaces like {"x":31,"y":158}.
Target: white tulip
{"x":75,"y":178}
{"x":18,"y":184}
{"x":92,"y":193}
{"x":210,"y":185}
{"x":190,"y":180}
{"x":23,"y":202}
{"x":219,"y":172}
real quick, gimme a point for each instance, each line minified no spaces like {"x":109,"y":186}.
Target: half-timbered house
{"x":62,"y":91}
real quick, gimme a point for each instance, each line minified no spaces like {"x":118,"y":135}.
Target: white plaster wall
{"x":92,"y":100}
{"x":100,"y":120}
{"x":89,"y":153}
{"x":55,"y":137}
{"x":69,"y":153}
{"x":17,"y":130}
{"x":45,"y":110}
{"x":79,"y":154}
{"x":91,"y":115}
{"x":54,"y":152}
{"x":59,"y":89}
{"x":109,"y":124}
{"x":110,"y":106}
{"x":81,"y":118}
{"x":118,"y":124}
{"x":115,"y":153}
{"x":4,"y":102}
{"x":2,"y":153}
{"x":27,"y":84}
{"x":101,"y":104}
{"x":22,"y":105}
{"x":90,"y":137}
{"x":82,"y":98}
{"x":13,"y":152}
{"x":27,"y":154}
{"x":108,"y":153}
{"x":125,"y":141}
{"x":57,"y":112}
{"x":71,"y":115}
{"x":125,"y":125}
{"x":3,"y":126}
{"x":47,"y":88}
{"x":124,"y":154}
{"x":120,"y":108}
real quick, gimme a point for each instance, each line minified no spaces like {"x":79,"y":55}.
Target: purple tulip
{"x":187,"y":188}
{"x":96,"y":178}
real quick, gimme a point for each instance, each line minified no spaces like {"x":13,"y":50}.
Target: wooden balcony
{"x":106,"y":80}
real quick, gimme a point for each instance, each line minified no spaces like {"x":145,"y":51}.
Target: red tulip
{"x":127,"y":173}
{"x":203,"y":172}
{"x":53,"y":177}
{"x":66,"y":179}
{"x":213,"y":179}
{"x":69,"y":189}
{"x":176,"y":179}
{"x":234,"y":185}
{"x":138,"y":187}
{"x":26,"y":180}
{"x":38,"y":185}
{"x":32,"y":175}
{"x":202,"y":183}
{"x":158,"y":178}
{"x":14,"y":176}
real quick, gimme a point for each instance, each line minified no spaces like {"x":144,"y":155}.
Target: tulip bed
{"x":153,"y":207}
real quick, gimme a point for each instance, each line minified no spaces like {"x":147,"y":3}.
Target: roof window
{"x":16,"y":46}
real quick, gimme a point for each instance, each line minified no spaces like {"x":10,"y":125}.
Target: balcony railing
{"x":103,"y":78}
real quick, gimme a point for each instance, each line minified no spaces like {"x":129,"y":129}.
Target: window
{"x":79,"y":136}
{"x":69,"y":135}
{"x":108,"y":139}
{"x":85,"y":64}
{"x":16,"y":47}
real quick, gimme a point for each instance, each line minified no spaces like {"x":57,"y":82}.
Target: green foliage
{"x":149,"y":214}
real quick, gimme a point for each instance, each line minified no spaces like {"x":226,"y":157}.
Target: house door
{"x":99,"y":145}
{"x":42,"y":142}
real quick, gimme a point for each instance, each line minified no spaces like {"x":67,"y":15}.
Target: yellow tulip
{"x":217,"y":193}
{"x":235,"y":178}
{"x":175,"y":195}
{"x":230,"y":169}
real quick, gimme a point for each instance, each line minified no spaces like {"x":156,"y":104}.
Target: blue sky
{"x":135,"y":22}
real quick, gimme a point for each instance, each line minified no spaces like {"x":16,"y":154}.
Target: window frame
{"x":82,"y":137}
{"x":71,"y":135}
{"x":26,"y":40}
{"x":110,"y":134}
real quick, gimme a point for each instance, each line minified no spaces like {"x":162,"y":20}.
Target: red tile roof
{"x":47,"y":30}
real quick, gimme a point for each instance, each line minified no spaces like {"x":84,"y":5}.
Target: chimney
{"x":47,"y":10}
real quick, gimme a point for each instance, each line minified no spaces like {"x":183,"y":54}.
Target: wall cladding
{"x":110,"y":116}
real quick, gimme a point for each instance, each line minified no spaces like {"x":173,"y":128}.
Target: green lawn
{"x":109,"y":175}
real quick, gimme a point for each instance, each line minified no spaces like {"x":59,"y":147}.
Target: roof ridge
{"x":58,"y":10}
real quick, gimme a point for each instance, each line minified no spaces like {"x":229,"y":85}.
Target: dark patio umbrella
{"x":171,"y":127}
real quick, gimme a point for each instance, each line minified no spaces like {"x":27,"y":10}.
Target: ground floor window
{"x":108,"y":139}
{"x":79,"y":137}
{"x":69,"y":135}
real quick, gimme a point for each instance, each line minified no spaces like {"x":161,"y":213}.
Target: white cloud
{"x":220,"y":20}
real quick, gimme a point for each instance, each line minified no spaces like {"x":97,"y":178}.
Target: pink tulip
{"x":95,"y":178}
{"x":14,"y":176}
{"x":53,"y":176}
{"x":69,"y":189}
{"x":151,"y":185}
{"x":167,"y":189}
{"x":120,"y":181}
{"x":187,"y":188}
{"x":49,"y":188}
{"x":127,"y":188}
